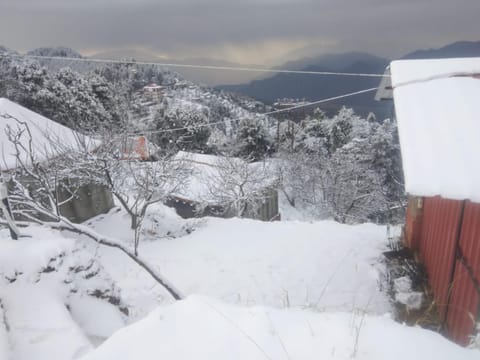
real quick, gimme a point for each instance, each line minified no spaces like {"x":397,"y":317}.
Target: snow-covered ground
{"x":323,"y":265}
{"x":204,"y":328}
{"x":46,"y":281}
{"x":282,"y":290}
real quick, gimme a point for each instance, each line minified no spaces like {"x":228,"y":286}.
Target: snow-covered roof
{"x":437,"y":105}
{"x":207,"y":173}
{"x":48,"y":138}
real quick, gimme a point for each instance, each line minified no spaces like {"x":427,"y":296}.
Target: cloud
{"x":247,"y":31}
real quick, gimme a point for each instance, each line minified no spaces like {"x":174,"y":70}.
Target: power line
{"x":461,"y":74}
{"x":198,"y":66}
{"x":262,"y":114}
{"x":303,"y":105}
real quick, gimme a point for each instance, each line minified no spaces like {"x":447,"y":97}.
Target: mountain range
{"x":263,"y":87}
{"x":311,"y":87}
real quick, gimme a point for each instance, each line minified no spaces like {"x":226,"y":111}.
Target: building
{"x":209,"y":193}
{"x":437,"y":106}
{"x":136,"y":148}
{"x":153,"y":91}
{"x":48,"y":140}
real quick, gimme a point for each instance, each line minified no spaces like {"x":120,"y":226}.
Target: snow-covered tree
{"x":34,"y":195}
{"x":252,"y":140}
{"x":182,"y":129}
{"x":138,"y":185}
{"x":346,"y":167}
{"x":238,"y":186}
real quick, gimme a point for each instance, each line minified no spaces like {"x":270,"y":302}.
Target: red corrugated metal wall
{"x":441,"y":219}
{"x":465,"y":297}
{"x":449,"y":246}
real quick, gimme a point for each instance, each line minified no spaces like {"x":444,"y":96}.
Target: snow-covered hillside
{"x":183,"y":99}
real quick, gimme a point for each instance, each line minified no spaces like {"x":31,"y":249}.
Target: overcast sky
{"x":246,"y":31}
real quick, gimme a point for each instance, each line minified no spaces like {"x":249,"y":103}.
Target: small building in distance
{"x":437,"y":106}
{"x":136,"y":148}
{"x":49,"y":140}
{"x":210,"y":193}
{"x":153,"y":92}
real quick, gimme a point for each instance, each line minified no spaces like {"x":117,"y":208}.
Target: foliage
{"x":347,"y":167}
{"x":252,"y":140}
{"x":185,"y":130}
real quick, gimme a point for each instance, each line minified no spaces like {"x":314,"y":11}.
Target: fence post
{"x":7,"y":212}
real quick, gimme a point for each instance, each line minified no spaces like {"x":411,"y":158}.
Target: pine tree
{"x":252,"y":141}
{"x":182,"y":130}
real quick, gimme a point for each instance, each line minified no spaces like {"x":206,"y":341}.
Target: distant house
{"x":49,"y":140}
{"x":153,"y":91}
{"x":136,"y":148}
{"x":437,"y":105}
{"x":207,"y":194}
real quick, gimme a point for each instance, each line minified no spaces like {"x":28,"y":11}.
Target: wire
{"x":218,"y":68}
{"x":463,"y":74}
{"x":259,"y":114}
{"x":197,"y":66}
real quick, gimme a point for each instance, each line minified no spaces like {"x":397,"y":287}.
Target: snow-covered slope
{"x":203,"y":328}
{"x":47,"y":138}
{"x":54,"y":297}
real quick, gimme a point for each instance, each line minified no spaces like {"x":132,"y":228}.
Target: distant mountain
{"x":5,"y":50}
{"x":311,"y":87}
{"x":458,"y":49}
{"x":332,"y":61}
{"x":215,"y":77}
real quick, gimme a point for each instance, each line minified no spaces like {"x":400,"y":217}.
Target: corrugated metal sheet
{"x":462,"y":309}
{"x":470,"y":238}
{"x":449,"y":246}
{"x":465,"y":297}
{"x":441,"y":219}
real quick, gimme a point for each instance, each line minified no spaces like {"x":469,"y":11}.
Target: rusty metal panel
{"x":440,"y":229}
{"x":470,"y":239}
{"x":462,"y":309}
{"x":413,"y":223}
{"x":465,"y":297}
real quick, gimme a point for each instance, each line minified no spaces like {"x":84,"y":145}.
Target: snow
{"x":203,"y":328}
{"x":206,"y":170}
{"x":322,"y":265}
{"x":44,"y":281}
{"x":404,"y":294}
{"x":4,"y":345}
{"x":98,"y":319}
{"x":39,"y":323}
{"x":437,"y":110}
{"x":27,"y":257}
{"x":49,"y":139}
{"x":315,"y":288}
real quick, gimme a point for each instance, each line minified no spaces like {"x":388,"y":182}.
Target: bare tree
{"x":35,"y":198}
{"x":137,"y":185}
{"x":239,"y":186}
